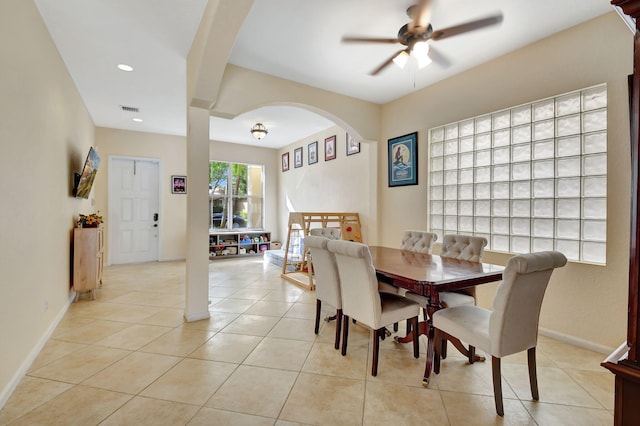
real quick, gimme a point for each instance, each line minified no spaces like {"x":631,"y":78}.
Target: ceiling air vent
{"x":129,"y":109}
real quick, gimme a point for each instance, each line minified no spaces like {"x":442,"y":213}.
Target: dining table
{"x":428,"y":275}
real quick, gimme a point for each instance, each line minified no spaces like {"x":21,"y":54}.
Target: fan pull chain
{"x":414,"y":77}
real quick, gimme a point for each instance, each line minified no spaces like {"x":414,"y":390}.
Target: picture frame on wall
{"x":285,"y":162}
{"x":297,"y":157}
{"x":178,"y":184}
{"x":313,"y":152}
{"x":403,"y":160}
{"x":353,"y":146}
{"x":330,"y":148}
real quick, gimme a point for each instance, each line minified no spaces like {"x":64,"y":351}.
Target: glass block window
{"x":529,"y":178}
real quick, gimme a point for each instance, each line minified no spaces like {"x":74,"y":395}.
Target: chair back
{"x":359,"y":284}
{"x":463,"y":247}
{"x":513,"y":325}
{"x":330,"y":233}
{"x":418,"y":241}
{"x":325,"y":270}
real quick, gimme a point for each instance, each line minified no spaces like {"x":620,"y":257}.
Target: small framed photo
{"x":297,"y":157}
{"x":353,"y":146}
{"x":330,"y":148}
{"x":313,"y":152}
{"x":285,"y":161}
{"x":178,"y":184}
{"x":403,"y":160}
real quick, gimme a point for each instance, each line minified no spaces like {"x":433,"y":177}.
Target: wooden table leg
{"x":463,"y":349}
{"x":429,"y":363}
{"x":423,"y":329}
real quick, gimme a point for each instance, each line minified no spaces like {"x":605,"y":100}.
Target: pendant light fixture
{"x":259,"y":131}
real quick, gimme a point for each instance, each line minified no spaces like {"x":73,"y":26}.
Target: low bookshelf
{"x":238,"y":244}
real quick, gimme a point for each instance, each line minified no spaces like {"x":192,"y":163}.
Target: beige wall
{"x":45,"y":135}
{"x":345,"y":184}
{"x":170,"y":151}
{"x":584,"y":302}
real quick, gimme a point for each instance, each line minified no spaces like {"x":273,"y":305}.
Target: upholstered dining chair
{"x":327,"y":281}
{"x":418,"y":241}
{"x":511,"y":325}
{"x":461,"y":247}
{"x":362,"y":300}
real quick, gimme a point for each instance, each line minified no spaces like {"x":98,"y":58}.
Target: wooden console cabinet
{"x":88,"y":260}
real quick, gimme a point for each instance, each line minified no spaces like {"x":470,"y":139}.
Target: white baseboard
{"x":172,"y":259}
{"x":576,"y":341}
{"x":197,"y":316}
{"x":19,"y":374}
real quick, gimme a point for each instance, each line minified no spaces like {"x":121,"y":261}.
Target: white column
{"x":197,"y":285}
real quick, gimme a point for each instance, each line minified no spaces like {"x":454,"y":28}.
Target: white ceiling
{"x":292,"y":39}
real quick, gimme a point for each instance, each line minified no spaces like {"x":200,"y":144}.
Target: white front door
{"x":133,"y":210}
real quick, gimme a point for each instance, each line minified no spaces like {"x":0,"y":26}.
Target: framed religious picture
{"x":313,"y":152}
{"x":285,"y":161}
{"x":178,"y":184}
{"x":330,"y":148}
{"x":353,"y":146}
{"x":297,"y":157}
{"x":403,"y":160}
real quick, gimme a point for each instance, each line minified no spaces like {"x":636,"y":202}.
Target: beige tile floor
{"x":128,"y":358}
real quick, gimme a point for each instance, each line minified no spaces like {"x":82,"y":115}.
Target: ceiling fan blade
{"x":420,"y":15}
{"x":387,"y":62}
{"x":466,"y":27}
{"x":437,"y":57}
{"x":356,"y":39}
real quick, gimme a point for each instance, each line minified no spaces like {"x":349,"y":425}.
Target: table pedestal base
{"x":426,"y":329}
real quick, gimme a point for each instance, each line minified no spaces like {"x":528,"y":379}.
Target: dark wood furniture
{"x":428,"y":275}
{"x":625,"y":361}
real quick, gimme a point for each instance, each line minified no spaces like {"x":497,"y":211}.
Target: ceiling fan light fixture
{"x":423,"y":61}
{"x":259,"y":131}
{"x":420,"y":51}
{"x":401,"y":59}
{"x":420,"y":48}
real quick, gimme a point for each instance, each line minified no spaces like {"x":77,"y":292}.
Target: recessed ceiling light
{"x":125,"y":67}
{"x":137,"y":120}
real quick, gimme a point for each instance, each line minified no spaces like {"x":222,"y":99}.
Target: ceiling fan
{"x":415,"y":34}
